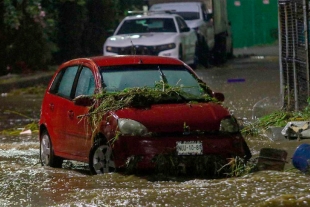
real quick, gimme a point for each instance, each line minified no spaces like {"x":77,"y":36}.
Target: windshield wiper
{"x":162,"y":75}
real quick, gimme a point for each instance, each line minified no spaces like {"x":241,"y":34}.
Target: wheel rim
{"x":45,"y":150}
{"x":102,"y":160}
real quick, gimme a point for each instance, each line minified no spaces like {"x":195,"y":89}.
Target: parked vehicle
{"x":153,"y":34}
{"x":209,"y":19}
{"x":116,"y":111}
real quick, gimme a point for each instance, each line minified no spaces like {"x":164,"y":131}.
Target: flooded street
{"x":251,"y":87}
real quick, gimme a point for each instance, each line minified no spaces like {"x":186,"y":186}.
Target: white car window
{"x":145,"y":25}
{"x":181,"y":23}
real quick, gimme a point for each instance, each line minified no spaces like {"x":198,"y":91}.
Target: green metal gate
{"x":253,"y":22}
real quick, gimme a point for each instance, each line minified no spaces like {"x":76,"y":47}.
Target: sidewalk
{"x":13,"y":81}
{"x":266,"y":50}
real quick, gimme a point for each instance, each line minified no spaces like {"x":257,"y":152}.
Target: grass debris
{"x":33,"y":126}
{"x":139,"y":97}
{"x":278,"y":119}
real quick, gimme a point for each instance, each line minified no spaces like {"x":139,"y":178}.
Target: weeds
{"x":143,"y":97}
{"x":33,"y":126}
{"x":238,"y":167}
{"x":277,"y":119}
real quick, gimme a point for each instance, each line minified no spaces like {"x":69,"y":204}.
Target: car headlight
{"x":165,"y":47}
{"x":111,"y":49}
{"x":131,"y":127}
{"x":229,"y":124}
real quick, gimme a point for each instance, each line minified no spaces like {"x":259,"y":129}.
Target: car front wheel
{"x":47,"y":156}
{"x":101,"y":158}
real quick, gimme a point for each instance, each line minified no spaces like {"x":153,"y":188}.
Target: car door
{"x":57,"y":100}
{"x":187,"y":40}
{"x":79,"y":131}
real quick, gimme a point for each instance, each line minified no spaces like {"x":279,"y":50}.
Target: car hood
{"x":140,"y":39}
{"x":175,"y":117}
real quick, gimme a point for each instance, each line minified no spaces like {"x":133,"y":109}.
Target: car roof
{"x":176,"y":3}
{"x":126,"y":60}
{"x":161,"y":14}
{"x":176,"y":6}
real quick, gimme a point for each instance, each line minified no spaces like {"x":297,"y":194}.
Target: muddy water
{"x":23,"y":182}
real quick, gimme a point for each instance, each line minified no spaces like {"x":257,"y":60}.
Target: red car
{"x":77,"y":122}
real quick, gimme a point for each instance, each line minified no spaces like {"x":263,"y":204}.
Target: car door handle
{"x":71,"y":114}
{"x":51,"y":106}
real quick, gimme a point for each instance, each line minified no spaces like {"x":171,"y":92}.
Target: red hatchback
{"x":159,"y":107}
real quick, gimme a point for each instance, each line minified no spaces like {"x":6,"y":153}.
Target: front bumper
{"x":147,"y":149}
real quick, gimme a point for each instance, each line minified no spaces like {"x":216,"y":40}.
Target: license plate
{"x":189,"y":148}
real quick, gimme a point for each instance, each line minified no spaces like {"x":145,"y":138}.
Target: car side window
{"x":169,"y":25}
{"x":86,"y":83}
{"x":181,"y":23}
{"x":63,"y":82}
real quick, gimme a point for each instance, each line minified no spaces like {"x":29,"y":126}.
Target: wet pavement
{"x":251,"y":87}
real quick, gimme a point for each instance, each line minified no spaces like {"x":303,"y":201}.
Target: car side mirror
{"x":219,"y":96}
{"x":83,"y":100}
{"x":185,"y":29}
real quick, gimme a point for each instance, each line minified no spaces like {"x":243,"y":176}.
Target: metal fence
{"x":294,"y":54}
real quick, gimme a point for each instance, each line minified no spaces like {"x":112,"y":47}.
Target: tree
{"x":102,"y":17}
{"x":71,"y":20}
{"x":37,"y":33}
{"x":24,"y":44}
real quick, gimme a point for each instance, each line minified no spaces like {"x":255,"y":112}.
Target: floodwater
{"x":251,"y":88}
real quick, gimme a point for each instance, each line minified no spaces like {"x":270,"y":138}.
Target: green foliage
{"x":33,"y":126}
{"x":277,"y":119}
{"x":133,"y":97}
{"x":237,"y":167}
{"x":36,"y":33}
{"x":102,"y":17}
{"x":71,"y":20}
{"x":25,"y":44}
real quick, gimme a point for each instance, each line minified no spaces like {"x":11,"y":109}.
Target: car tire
{"x":180,"y":53}
{"x":247,"y":151}
{"x":101,"y":158}
{"x":230,"y":54}
{"x":47,"y":156}
{"x":220,"y":53}
{"x":203,"y":54}
{"x":195,"y":61}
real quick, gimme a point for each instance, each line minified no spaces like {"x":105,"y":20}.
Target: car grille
{"x":138,"y":50}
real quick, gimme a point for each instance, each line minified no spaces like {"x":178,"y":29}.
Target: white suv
{"x":153,"y":34}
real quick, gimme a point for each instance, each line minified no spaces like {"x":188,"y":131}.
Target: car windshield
{"x":189,"y":15}
{"x":118,"y":78}
{"x":145,"y":25}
